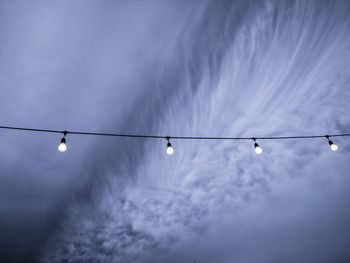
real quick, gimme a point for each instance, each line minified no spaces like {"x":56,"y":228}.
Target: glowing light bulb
{"x":258,"y":149}
{"x":62,"y":147}
{"x":169,"y":149}
{"x":334,"y":147}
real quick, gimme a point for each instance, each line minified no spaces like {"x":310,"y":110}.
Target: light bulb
{"x":62,"y":147}
{"x":170,"y":149}
{"x":334,"y":147}
{"x":258,"y":149}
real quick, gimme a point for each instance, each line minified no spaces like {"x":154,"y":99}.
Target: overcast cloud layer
{"x":181,"y":68}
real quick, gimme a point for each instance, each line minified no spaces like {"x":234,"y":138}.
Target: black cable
{"x":175,"y":137}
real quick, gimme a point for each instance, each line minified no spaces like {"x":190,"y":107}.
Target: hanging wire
{"x":65,"y":132}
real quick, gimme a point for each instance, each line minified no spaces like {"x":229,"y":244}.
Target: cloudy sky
{"x":180,"y":68}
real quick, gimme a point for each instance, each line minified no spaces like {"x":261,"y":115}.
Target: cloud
{"x":217,"y":201}
{"x":216,"y":69}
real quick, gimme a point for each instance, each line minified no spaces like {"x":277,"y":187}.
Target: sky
{"x":177,"y":68}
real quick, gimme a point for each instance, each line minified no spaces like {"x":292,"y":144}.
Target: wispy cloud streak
{"x":219,"y":69}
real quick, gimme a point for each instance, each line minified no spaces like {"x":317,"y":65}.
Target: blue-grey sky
{"x":186,"y":68}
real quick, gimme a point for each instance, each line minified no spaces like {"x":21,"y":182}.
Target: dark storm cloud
{"x":227,"y":68}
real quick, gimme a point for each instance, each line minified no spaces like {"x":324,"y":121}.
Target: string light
{"x":258,"y":149}
{"x":169,"y":150}
{"x":63,"y":147}
{"x":333,"y":146}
